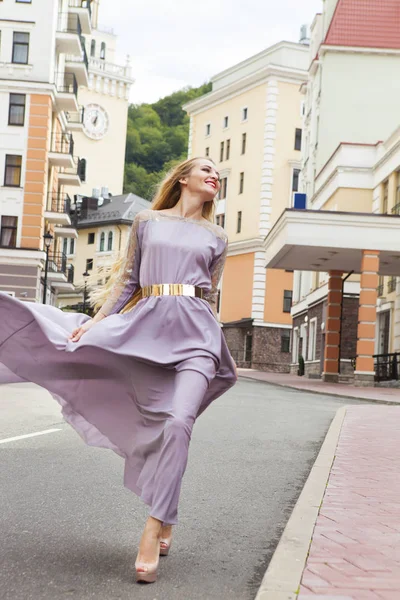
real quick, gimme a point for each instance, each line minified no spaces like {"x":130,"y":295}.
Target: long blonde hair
{"x":167,"y":195}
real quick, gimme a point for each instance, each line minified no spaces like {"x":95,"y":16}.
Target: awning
{"x":320,"y":240}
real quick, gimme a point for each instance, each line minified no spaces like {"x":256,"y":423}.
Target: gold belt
{"x":172,"y":289}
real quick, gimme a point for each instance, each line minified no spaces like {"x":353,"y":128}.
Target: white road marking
{"x":28,"y":435}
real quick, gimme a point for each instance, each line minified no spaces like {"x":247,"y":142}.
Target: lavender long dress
{"x":137,"y":380}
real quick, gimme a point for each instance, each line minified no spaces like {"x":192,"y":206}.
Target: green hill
{"x":157,"y":138}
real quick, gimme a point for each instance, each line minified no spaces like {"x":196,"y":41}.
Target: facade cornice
{"x":246,"y":246}
{"x":261,"y":76}
{"x":324,"y":48}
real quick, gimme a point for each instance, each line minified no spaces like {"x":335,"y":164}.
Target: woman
{"x":136,"y":376}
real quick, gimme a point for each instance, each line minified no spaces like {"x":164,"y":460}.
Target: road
{"x":69,"y":529}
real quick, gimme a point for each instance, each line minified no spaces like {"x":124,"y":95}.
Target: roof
{"x":365,"y":23}
{"x":119,"y":208}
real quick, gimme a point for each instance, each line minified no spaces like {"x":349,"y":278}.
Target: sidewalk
{"x":342,"y":541}
{"x":317,"y":386}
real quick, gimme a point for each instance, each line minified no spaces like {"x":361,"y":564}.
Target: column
{"x":365,"y":372}
{"x":396,"y":332}
{"x":332,"y":328}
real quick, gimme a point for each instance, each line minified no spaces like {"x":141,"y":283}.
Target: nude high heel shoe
{"x":165,"y":545}
{"x":149,"y":574}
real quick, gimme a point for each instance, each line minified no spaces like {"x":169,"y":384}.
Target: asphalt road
{"x":69,"y":529}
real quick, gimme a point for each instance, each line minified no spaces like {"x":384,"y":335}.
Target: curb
{"x":307,"y":391}
{"x":283,"y":576}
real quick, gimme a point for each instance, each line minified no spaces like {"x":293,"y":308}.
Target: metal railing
{"x":68,"y":23}
{"x":63,"y":143}
{"x":70,"y":273}
{"x":77,"y":169}
{"x":80,"y":4}
{"x":57,"y":263}
{"x":59,"y":202}
{"x":392,"y":285}
{"x":396,"y":209}
{"x":66,"y":83}
{"x":387,"y":366}
{"x":75,"y":117}
{"x":379,"y":290}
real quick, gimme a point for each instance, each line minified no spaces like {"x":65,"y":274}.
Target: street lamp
{"x":48,"y":238}
{"x":86,"y":275}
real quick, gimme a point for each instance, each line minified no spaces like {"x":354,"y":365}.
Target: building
{"x":103,"y":228}
{"x":251,"y":125}
{"x":344,"y":248}
{"x":46,"y":158}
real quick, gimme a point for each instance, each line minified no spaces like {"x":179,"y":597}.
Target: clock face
{"x":95,"y":121}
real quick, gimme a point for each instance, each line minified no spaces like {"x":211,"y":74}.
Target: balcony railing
{"x":118,"y":70}
{"x":66,"y":83}
{"x":379,"y":290}
{"x":392,"y":285}
{"x":59,"y":202}
{"x":70,"y":273}
{"x":82,"y":58}
{"x":80,"y":4}
{"x":396,"y":209}
{"x":75,"y":117}
{"x":63,"y":143}
{"x":69,"y":23}
{"x":79,"y":168}
{"x":387,"y":366}
{"x":57,"y":263}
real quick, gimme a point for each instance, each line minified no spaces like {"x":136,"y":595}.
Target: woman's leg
{"x":190,"y":388}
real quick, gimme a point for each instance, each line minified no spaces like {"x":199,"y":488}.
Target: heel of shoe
{"x":167,"y":545}
{"x":146,"y":577}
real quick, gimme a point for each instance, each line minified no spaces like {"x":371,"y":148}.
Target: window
{"x":208,"y":129}
{"x":16,"y":109}
{"x":287,"y":301}
{"x":90,"y":238}
{"x":89,"y":264}
{"x":223,"y":188}
{"x":244,"y":136}
{"x":103,"y":50}
{"x":65,"y":246}
{"x":220,"y":219}
{"x":82,"y":169}
{"x":385,"y":197}
{"x":12,"y":175}
{"x":285,"y":340}
{"x":93,"y":48}
{"x":312,"y":339}
{"x":244,"y":114}
{"x":221,"y":152}
{"x":248,"y":346}
{"x":228,"y":149}
{"x":20,"y":50}
{"x":239,"y":222}
{"x":226,"y":121}
{"x":295,"y":180}
{"x":207,"y":151}
{"x":102,"y":240}
{"x":25,"y":1}
{"x":297,"y":140}
{"x":110,"y":240}
{"x":8,"y":232}
{"x":241,"y":183}
{"x":72,"y":246}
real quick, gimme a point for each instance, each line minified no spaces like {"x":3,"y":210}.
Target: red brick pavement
{"x":355,"y":548}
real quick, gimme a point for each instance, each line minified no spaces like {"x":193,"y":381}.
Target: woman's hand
{"x":235,"y":369}
{"x":79,"y":331}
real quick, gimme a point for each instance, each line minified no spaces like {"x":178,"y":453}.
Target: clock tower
{"x":100,"y":135}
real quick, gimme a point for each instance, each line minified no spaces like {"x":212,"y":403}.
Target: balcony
{"x":58,"y":208}
{"x":73,"y":175}
{"x":111,"y":69}
{"x":396,"y":209}
{"x":78,"y":64}
{"x":68,"y":34}
{"x":66,"y":92}
{"x":61,"y":150}
{"x":57,"y":267}
{"x":75,"y":120}
{"x":391,"y":285}
{"x":82,"y":9}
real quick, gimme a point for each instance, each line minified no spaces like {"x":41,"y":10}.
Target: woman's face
{"x":203,"y":179}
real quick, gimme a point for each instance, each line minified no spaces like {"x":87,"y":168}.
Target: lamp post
{"x":86,"y":275}
{"x":48,"y":238}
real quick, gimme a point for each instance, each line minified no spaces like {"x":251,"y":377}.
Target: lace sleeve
{"x":127,"y":280}
{"x":216,"y":269}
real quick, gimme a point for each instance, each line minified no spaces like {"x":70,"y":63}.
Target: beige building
{"x":50,"y":151}
{"x":250,"y":124}
{"x":344,"y":248}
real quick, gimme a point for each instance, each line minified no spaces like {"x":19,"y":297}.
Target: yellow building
{"x":250,"y":124}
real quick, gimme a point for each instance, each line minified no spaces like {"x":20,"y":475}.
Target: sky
{"x":177,"y":43}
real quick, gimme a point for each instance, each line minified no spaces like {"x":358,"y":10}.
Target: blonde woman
{"x":136,"y":376}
